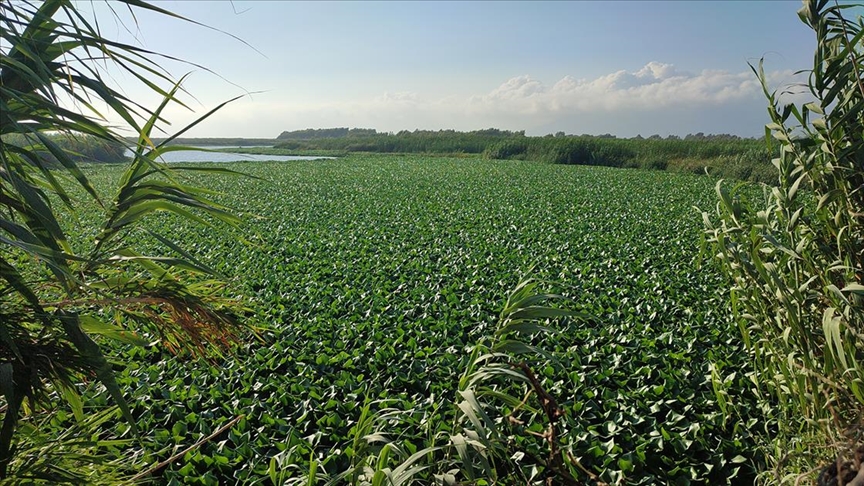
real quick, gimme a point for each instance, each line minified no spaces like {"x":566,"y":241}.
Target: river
{"x":205,"y":156}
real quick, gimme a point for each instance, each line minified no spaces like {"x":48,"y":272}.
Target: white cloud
{"x":402,"y":98}
{"x":519,"y":87}
{"x":654,"y":86}
{"x":656,"y":98}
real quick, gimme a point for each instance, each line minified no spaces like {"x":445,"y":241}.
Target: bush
{"x":507,"y":149}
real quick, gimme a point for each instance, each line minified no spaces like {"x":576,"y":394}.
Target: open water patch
{"x":216,"y":156}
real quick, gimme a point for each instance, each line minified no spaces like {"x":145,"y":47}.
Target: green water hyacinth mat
{"x":375,"y":275}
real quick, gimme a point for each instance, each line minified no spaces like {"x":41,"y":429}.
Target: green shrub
{"x":507,"y":149}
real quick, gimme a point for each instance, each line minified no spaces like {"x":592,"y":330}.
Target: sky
{"x":619,"y":67}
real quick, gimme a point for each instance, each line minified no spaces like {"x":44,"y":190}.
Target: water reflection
{"x":202,"y":156}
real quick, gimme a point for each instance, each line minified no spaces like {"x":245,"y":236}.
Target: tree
{"x":57,"y":301}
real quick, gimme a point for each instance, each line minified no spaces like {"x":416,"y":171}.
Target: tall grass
{"x":58,"y":302}
{"x":795,"y":260}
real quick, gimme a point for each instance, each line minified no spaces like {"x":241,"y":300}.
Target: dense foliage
{"x":216,"y":141}
{"x":79,"y":148}
{"x":377,"y":281}
{"x":741,"y":159}
{"x":418,"y":141}
{"x":61,"y":297}
{"x":375,"y":277}
{"x":720,"y":155}
{"x":316,"y":133}
{"x":795,"y":258}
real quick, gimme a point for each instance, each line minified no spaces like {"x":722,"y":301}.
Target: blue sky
{"x":621,"y":67}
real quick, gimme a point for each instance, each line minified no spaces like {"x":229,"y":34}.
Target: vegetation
{"x":795,"y":260}
{"x":79,"y":148}
{"x":418,"y":141}
{"x":378,"y":275}
{"x":384,"y":358}
{"x":720,"y":155}
{"x":225,"y":142}
{"x":314,"y":134}
{"x":62,"y":298}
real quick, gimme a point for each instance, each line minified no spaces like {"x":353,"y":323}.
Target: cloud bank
{"x":652,"y":87}
{"x":656,"y":98}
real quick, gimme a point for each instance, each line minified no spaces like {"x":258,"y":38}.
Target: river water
{"x":204,"y":156}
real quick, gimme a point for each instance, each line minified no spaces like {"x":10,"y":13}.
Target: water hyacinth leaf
{"x":386,"y":299}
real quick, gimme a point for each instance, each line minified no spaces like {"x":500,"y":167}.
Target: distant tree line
{"x":724,"y":155}
{"x":689,"y":136}
{"x":228,"y":141}
{"x":418,"y":141}
{"x":79,"y":148}
{"x":319,"y":133}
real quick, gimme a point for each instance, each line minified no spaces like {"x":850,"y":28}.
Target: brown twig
{"x":858,"y":463}
{"x":553,"y":412}
{"x":578,"y":464}
{"x":512,"y":417}
{"x":839,"y":459}
{"x":180,"y":454}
